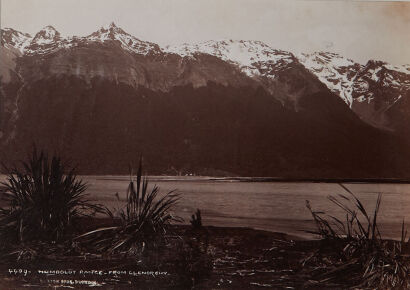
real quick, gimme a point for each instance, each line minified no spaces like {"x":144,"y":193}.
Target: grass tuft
{"x":143,"y":222}
{"x":357,"y":249}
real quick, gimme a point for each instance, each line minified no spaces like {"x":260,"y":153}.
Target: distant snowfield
{"x":246,"y":54}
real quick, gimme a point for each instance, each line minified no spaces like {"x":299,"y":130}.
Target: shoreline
{"x":253,"y":179}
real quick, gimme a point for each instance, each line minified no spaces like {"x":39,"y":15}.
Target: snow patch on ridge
{"x":253,"y":57}
{"x":403,"y":68}
{"x":46,"y":36}
{"x":354,"y":82}
{"x":335,"y":71}
{"x":11,"y":38}
{"x":127,"y":41}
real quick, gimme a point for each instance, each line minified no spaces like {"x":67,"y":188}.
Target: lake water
{"x":273,"y":206}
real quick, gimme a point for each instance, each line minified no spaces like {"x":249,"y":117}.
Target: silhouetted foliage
{"x":361,"y":253}
{"x":143,"y":222}
{"x":196,"y":220}
{"x":44,"y":199}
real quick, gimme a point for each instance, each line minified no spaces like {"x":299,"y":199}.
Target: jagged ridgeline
{"x":219,"y":107}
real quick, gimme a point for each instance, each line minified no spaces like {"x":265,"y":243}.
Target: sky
{"x":360,"y":30}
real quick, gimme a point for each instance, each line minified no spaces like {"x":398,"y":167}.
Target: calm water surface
{"x":273,"y":206}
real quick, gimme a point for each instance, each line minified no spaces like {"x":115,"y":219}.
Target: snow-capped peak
{"x":336,"y":72}
{"x":15,"y":39}
{"x":253,"y":57}
{"x":110,"y":26}
{"x":46,"y":35}
{"x":46,"y":40}
{"x":127,"y":41}
{"x":49,"y":40}
{"x":328,"y":59}
{"x":356,"y":83}
{"x":107,"y":32}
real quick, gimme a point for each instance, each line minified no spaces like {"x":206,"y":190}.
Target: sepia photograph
{"x":207,"y":144}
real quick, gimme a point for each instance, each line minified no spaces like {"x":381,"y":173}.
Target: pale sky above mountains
{"x":360,"y":30}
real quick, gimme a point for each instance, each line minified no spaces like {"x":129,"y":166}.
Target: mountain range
{"x":228,"y":107}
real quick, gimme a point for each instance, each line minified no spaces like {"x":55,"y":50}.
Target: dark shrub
{"x":143,"y":222}
{"x":44,"y":199}
{"x":196,"y":220}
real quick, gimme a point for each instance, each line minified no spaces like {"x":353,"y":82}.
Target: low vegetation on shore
{"x":49,"y":221}
{"x":353,"y":251}
{"x":45,"y":201}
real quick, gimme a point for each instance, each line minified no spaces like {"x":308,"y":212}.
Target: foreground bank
{"x":50,"y":236}
{"x":234,"y":258}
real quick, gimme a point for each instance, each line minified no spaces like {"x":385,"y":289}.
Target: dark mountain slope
{"x":104,"y":126}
